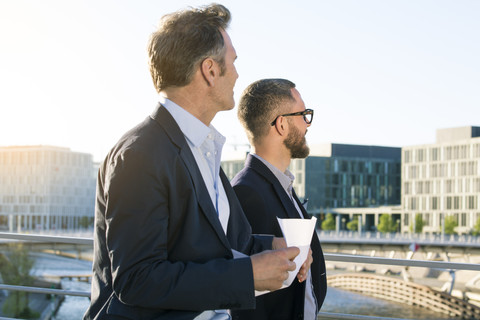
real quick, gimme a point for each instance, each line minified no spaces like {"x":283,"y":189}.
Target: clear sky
{"x":377,"y":72}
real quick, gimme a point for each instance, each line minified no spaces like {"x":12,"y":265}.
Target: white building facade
{"x":46,"y":188}
{"x":443,"y":179}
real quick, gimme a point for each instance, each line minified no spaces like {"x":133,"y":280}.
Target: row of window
{"x":70,"y":209}
{"x":45,"y":172}
{"x":42,"y":157}
{"x":441,"y":170}
{"x":469,"y":202}
{"x":77,"y":195}
{"x":445,"y":153}
{"x":345,"y":179}
{"x":461,"y":185}
{"x":463,"y":219}
{"x":370,"y":167}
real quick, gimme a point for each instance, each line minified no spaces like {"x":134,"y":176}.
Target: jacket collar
{"x":164,"y":118}
{"x":258,"y":166}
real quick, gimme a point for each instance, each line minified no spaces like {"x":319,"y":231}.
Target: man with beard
{"x":276,"y":121}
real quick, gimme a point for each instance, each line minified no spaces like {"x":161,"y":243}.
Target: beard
{"x":297,"y":144}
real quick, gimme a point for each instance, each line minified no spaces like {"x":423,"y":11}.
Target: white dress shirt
{"x":206,"y":144}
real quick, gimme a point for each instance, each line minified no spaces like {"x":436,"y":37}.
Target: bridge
{"x":408,"y":293}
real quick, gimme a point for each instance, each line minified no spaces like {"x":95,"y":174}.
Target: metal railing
{"x":328,"y":256}
{"x":400,"y":237}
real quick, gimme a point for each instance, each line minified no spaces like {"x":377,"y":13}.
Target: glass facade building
{"x":343,"y":176}
{"x":347,"y":176}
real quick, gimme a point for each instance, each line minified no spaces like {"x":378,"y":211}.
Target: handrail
{"x":59,"y":292}
{"x":45,"y":238}
{"x":396,"y":238}
{"x":402,"y":262}
{"x":346,"y":316}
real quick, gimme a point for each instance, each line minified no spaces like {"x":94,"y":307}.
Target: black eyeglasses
{"x":307,"y":116}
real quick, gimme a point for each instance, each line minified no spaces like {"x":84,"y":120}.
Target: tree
{"x":353,"y":224}
{"x":15,"y":270}
{"x":476,"y":228}
{"x":450,"y":224}
{"x":328,"y":223}
{"x":419,"y":223}
{"x":387,"y":224}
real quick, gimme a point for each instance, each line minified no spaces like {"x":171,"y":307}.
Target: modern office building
{"x":46,"y":188}
{"x":343,"y":176}
{"x":443,"y":179}
{"x":346,"y":176}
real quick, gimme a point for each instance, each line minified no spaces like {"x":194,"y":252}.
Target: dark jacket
{"x":263,"y":199}
{"x":159,"y":249}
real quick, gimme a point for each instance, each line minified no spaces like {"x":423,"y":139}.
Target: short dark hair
{"x":260,"y":103}
{"x":183,"y":40}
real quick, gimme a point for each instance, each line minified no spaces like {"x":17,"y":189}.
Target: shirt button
{"x":210,"y":136}
{"x":208,"y":154}
{"x":215,"y":152}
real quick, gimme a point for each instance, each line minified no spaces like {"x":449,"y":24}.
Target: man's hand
{"x":278,"y":243}
{"x":270,"y":268}
{"x":302,"y":273}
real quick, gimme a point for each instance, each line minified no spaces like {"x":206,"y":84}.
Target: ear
{"x":208,"y":67}
{"x":281,"y":126}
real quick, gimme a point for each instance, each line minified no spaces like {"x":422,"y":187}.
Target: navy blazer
{"x":159,"y":249}
{"x":263,"y":200}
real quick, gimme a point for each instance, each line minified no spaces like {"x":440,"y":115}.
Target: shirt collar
{"x":193,"y":129}
{"x":285,"y":178}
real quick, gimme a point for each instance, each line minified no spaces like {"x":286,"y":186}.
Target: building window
{"x":434,"y":204}
{"x":413,"y":172}
{"x":433,"y":171}
{"x":448,"y":186}
{"x":434,"y":154}
{"x":419,"y":154}
{"x":413,"y":203}
{"x":476,"y":150}
{"x":463,"y":220}
{"x":407,"y":187}
{"x":449,"y":203}
{"x":472,"y":202}
{"x":457,"y":202}
{"x":407,"y":156}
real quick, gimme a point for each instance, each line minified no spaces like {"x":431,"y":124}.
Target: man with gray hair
{"x":169,"y":229}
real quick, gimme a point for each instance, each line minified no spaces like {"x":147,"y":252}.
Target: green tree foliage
{"x":387,"y":224}
{"x":419,"y":223}
{"x":476,"y":228}
{"x":328,"y":223}
{"x":352,"y":225}
{"x":450,"y":224}
{"x":15,"y":270}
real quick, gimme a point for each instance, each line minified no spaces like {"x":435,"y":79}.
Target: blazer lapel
{"x":300,"y":205}
{"x":263,"y":170}
{"x":164,"y":118}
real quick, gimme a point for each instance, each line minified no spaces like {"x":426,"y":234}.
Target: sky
{"x":377,"y":72}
